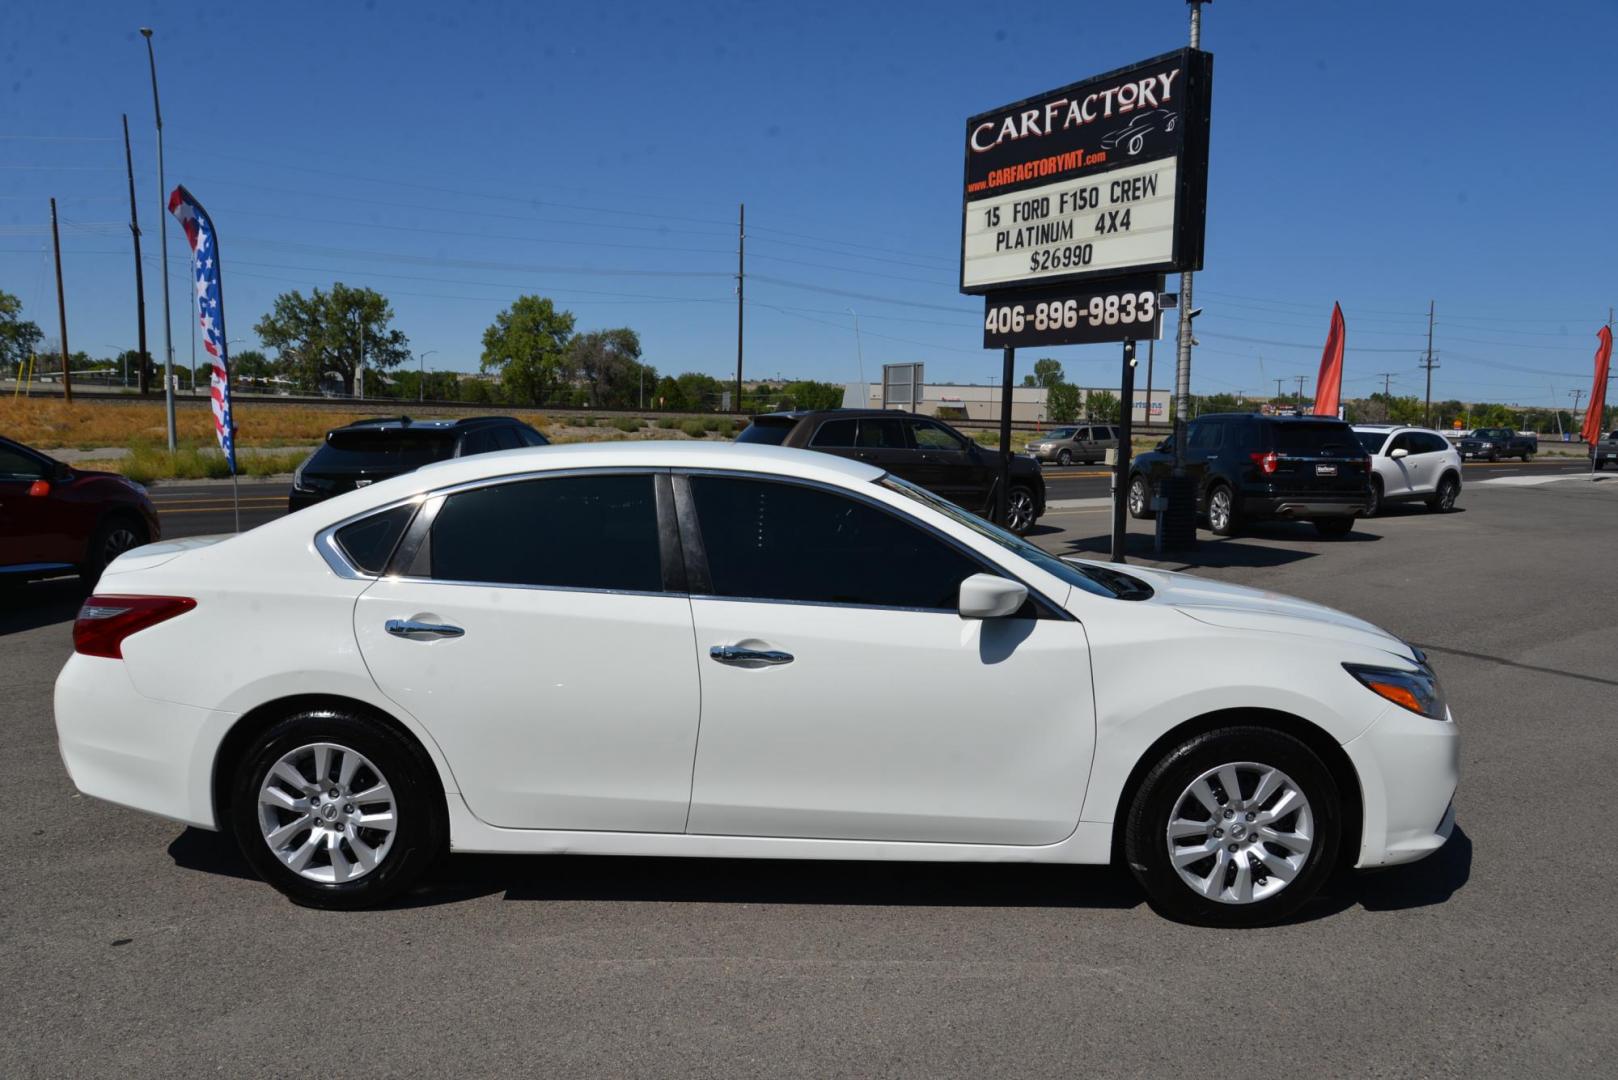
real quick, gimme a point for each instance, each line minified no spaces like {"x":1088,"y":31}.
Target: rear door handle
{"x":736,"y":654}
{"x":421,"y":631}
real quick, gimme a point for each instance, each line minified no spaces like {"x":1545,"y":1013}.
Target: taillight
{"x":104,"y":621}
{"x":1265,"y":462}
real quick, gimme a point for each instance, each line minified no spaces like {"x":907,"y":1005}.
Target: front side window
{"x":1205,"y":436}
{"x":932,"y":437}
{"x":768,"y":540}
{"x":581,"y":532}
{"x":15,"y":465}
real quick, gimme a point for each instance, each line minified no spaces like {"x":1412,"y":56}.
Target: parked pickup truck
{"x":1605,"y":451}
{"x":1495,"y":443}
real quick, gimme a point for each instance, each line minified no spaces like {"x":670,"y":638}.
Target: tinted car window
{"x":1320,"y":440}
{"x":586,"y":532}
{"x":530,"y":437}
{"x":932,"y":437}
{"x":778,"y":541}
{"x":19,"y":466}
{"x":766,"y":432}
{"x":1430,"y":444}
{"x":1372,"y":441}
{"x":380,"y":451}
{"x":834,"y":433}
{"x":881,"y":434}
{"x":369,"y":541}
{"x":1205,"y":436}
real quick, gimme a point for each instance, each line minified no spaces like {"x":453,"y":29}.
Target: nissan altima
{"x":746,"y":651}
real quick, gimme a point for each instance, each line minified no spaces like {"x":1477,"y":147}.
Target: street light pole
{"x":859,"y":357}
{"x":421,"y":365}
{"x":163,"y":234}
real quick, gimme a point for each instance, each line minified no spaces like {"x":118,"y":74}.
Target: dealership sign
{"x":1086,"y":313}
{"x":1103,"y":178}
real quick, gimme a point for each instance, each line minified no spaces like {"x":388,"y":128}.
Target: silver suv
{"x":1082,"y":443}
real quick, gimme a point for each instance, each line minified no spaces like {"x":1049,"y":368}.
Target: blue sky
{"x":455,"y":156}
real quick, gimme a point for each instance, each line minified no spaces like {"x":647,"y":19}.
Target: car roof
{"x":840,"y":414}
{"x":1270,"y":419}
{"x":400,"y":423}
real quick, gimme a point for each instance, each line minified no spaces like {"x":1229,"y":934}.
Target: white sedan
{"x":677,"y":649}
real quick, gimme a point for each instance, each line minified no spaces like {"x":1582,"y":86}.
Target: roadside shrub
{"x":669,"y":423}
{"x":583,"y":421}
{"x":626,"y":424}
{"x":694,"y":428}
{"x":725,"y":429}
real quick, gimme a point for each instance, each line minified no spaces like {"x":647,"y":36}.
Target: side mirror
{"x":1399,"y":453}
{"x":1165,"y":446}
{"x":985,"y":596}
{"x":62,"y":473}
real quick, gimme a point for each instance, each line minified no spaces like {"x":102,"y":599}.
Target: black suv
{"x":370,"y":450}
{"x":920,"y":449}
{"x":1251,"y":467}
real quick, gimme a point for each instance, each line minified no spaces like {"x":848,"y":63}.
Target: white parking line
{"x":1078,"y":504}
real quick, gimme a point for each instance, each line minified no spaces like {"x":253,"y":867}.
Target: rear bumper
{"x":129,"y":749}
{"x":1409,"y":767}
{"x":1281,"y":506}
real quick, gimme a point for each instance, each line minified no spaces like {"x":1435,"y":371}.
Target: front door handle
{"x":421,"y":631}
{"x":736,"y":654}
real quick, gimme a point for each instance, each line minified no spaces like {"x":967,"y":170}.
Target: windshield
{"x":1372,"y":440}
{"x":1324,"y":440}
{"x":1061,"y":433}
{"x":768,"y":432}
{"x":1096,"y":582}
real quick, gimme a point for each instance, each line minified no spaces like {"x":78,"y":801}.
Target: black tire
{"x":1527,"y":456}
{"x":1020,"y":511}
{"x":1443,"y":499}
{"x":1334,"y":526}
{"x":1494,"y":455}
{"x":1375,"y":505}
{"x":421,"y":831}
{"x":1146,"y":846}
{"x":114,"y":536}
{"x":1224,"y":521}
{"x":1064,"y":457}
{"x":1140,"y":498}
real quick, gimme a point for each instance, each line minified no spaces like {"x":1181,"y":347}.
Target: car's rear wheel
{"x":1334,"y":526}
{"x":1527,"y":456}
{"x":1222,"y":511}
{"x":337,"y":811}
{"x":1236,"y":827}
{"x":1494,"y":455}
{"x":112,"y":538}
{"x":1375,"y":504}
{"x":1020,"y":510}
{"x":1443,"y":500}
{"x":1064,"y":457}
{"x":1140,"y":498}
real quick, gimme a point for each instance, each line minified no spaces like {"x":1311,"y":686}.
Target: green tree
{"x":527,"y":345}
{"x":609,"y":363}
{"x":251,"y":365}
{"x":1224,"y":403}
{"x":807,"y":394}
{"x":1062,"y":403}
{"x":1102,"y":405}
{"x":19,"y":338}
{"x":1047,"y":373}
{"x":326,"y":331}
{"x":700,"y":392}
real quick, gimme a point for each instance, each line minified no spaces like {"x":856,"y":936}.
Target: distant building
{"x":982,"y":403}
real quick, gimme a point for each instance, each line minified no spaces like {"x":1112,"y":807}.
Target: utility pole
{"x":1300,"y":379}
{"x":163,"y":235}
{"x":61,"y":310}
{"x":145,"y":379}
{"x":1278,"y":383}
{"x":1427,"y":414}
{"x":1576,"y":395}
{"x":859,"y":358}
{"x":1182,"y":367}
{"x":741,"y":281}
{"x":1151,"y":354}
{"x":1387,"y":379}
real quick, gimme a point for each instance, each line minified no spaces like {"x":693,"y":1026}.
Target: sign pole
{"x":1121,"y":456}
{"x":1002,"y":501}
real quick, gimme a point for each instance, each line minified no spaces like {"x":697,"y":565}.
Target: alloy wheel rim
{"x":1064,"y":458}
{"x":1020,"y":510}
{"x":1375,"y":502}
{"x":119,"y":541}
{"x":1446,"y":497}
{"x":1137,"y":497}
{"x":327,"y":813}
{"x":1219,"y":510}
{"x":1240,"y":833}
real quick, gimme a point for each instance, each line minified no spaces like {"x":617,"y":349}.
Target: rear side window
{"x":1371,"y":441}
{"x":1430,"y":444}
{"x":776,"y":541}
{"x":881,"y":435}
{"x":838,"y":433}
{"x":380,"y":452}
{"x":1314,"y":440}
{"x":369,"y":542}
{"x":530,"y":437}
{"x":582,"y":532}
{"x":765,"y":432}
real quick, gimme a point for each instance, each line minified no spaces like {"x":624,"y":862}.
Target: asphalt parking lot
{"x":131,"y":946}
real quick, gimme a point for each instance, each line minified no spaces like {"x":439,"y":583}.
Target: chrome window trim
{"x":1036,"y":595}
{"x":328,"y":548}
{"x":595,"y":589}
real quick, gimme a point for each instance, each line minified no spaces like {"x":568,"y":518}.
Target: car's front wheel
{"x":1020,"y":510}
{"x":337,"y":811}
{"x":1236,"y":827}
{"x":1065,"y":457}
{"x":1139,"y":498}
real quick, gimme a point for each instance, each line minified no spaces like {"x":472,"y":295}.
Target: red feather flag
{"x":1329,"y":383}
{"x":1598,"y":393}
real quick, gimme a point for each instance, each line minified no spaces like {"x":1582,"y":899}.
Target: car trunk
{"x":1317,"y":458}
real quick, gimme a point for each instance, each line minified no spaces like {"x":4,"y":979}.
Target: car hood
{"x":149,"y":555}
{"x":1238,"y":607}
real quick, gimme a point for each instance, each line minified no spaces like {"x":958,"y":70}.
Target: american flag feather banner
{"x":210,"y":306}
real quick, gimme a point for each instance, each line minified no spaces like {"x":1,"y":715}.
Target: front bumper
{"x":136,"y":751}
{"x":1408,"y":767}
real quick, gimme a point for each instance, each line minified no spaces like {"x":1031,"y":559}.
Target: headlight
{"x":1417,"y":691}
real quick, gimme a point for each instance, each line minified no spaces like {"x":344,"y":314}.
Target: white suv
{"x":1410,"y":464}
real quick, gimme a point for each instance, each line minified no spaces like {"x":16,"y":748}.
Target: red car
{"x":55,"y":519}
